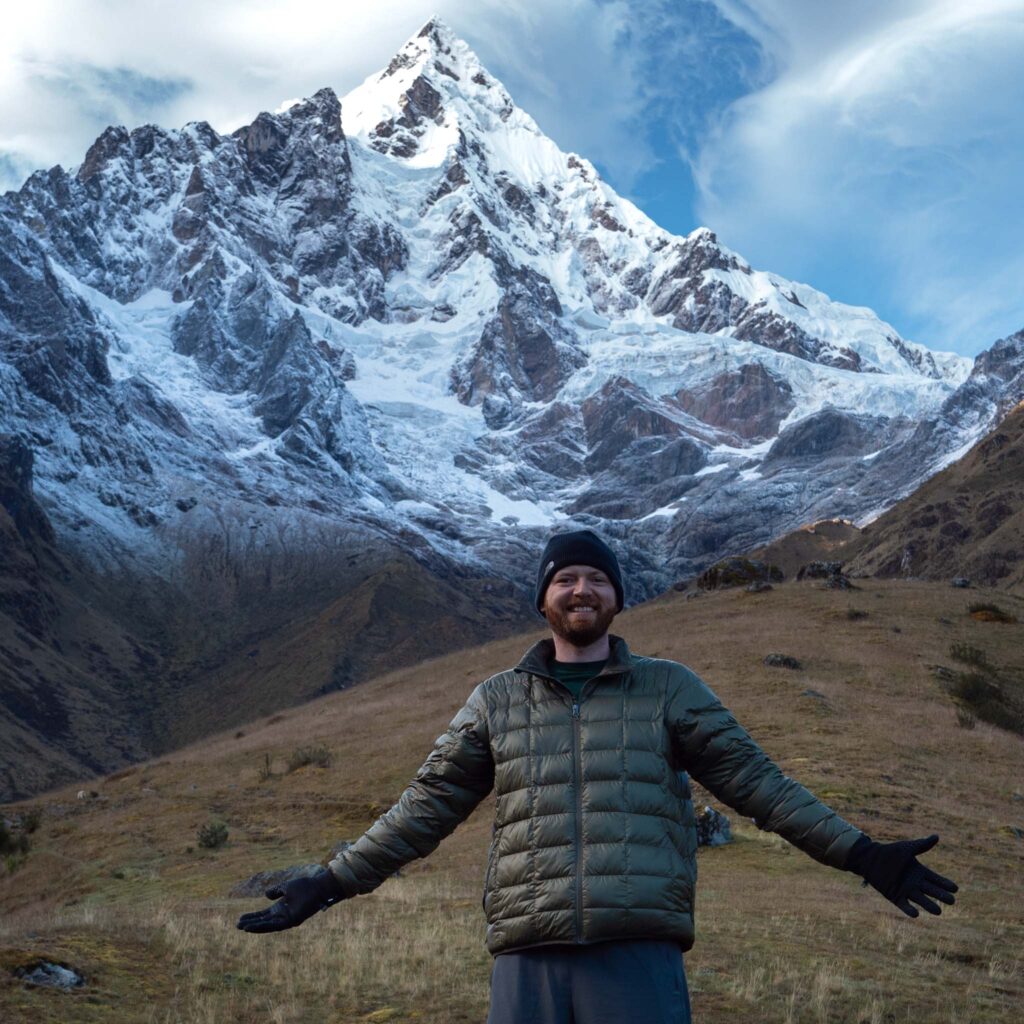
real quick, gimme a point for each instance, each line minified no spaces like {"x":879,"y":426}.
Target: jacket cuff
{"x":856,"y":857}
{"x":343,"y":879}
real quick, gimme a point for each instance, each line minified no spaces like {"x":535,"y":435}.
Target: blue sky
{"x":871,"y":149}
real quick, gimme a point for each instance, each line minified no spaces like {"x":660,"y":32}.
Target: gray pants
{"x":638,"y":981}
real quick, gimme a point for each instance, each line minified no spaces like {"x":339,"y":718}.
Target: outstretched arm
{"x":722,"y":757}
{"x":719,"y":753}
{"x":456,"y":776}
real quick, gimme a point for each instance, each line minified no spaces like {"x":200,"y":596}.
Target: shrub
{"x":212,"y":835}
{"x":968,"y":654}
{"x":853,"y":614}
{"x":14,"y":847}
{"x":319,"y":756}
{"x":965,"y":719}
{"x":983,"y":697}
{"x":737,"y":572}
{"x":265,"y":771}
{"x":985,"y":611}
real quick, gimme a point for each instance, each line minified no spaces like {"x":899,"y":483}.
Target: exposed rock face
{"x":16,"y":492}
{"x":524,"y":353}
{"x":749,"y":401}
{"x":825,"y":435}
{"x":26,"y":544}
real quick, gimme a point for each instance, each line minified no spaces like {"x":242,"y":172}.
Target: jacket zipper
{"x":577,"y":759}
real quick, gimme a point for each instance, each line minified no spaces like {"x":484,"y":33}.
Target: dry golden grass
{"x":111,"y":887}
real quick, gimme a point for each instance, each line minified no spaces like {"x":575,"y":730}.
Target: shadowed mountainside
{"x":99,"y":670}
{"x":967,"y":520}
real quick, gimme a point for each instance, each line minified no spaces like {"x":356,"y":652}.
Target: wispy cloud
{"x":881,"y":163}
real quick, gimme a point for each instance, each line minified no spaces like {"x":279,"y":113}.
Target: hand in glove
{"x":894,"y":870}
{"x":296,"y":900}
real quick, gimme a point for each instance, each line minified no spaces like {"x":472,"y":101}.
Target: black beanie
{"x":581,"y":547}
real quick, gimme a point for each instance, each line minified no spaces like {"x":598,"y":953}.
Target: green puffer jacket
{"x":594,"y":833}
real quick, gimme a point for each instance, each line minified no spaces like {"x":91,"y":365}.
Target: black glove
{"x":296,"y":900}
{"x":894,"y":870}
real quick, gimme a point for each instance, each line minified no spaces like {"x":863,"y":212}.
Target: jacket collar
{"x":537,"y":660}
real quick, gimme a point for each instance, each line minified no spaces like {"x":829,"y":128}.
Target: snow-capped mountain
{"x":410,"y":313}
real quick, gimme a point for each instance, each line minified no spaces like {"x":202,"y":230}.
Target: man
{"x":590,"y":878}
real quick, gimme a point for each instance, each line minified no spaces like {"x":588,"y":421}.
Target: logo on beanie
{"x":549,"y":567}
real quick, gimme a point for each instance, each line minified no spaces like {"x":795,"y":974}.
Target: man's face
{"x":579,"y":604}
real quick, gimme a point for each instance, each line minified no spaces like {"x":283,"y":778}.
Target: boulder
{"x":830,"y":572}
{"x":782,"y":661}
{"x":819,"y":570}
{"x":50,"y":975}
{"x":839,"y":582}
{"x":713,"y":828}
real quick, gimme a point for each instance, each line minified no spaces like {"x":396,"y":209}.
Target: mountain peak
{"x":438,"y":33}
{"x":432,"y":93}
{"x":434,"y":47}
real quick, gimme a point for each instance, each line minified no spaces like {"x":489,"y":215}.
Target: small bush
{"x":30,"y":820}
{"x":980,"y":695}
{"x":965,"y":719}
{"x":13,"y":842}
{"x":985,"y":611}
{"x":14,"y":847}
{"x":265,"y":771}
{"x":853,"y":614}
{"x":212,"y":835}
{"x":968,"y":654}
{"x":319,"y":756}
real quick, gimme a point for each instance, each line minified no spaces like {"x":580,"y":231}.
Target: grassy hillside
{"x":967,"y":520}
{"x":117,"y":886}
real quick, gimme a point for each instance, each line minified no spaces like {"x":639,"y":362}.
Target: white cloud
{"x":68,"y":69}
{"x":882,"y":162}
